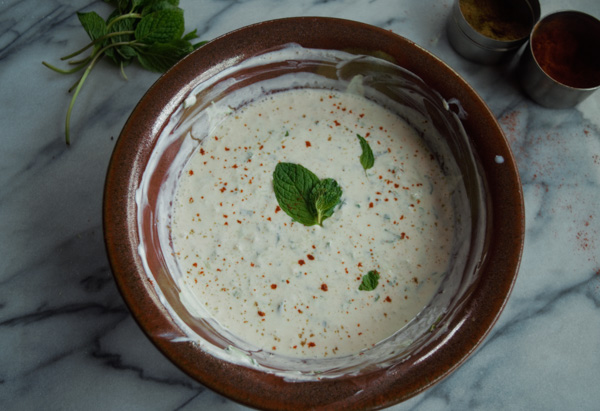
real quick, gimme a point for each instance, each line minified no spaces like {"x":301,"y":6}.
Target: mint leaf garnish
{"x":324,"y":196}
{"x":367,"y":160}
{"x":292,"y":184}
{"x":369,"y":281}
{"x":303,"y":196}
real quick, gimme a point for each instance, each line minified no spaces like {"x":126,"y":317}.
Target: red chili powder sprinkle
{"x":310,"y":257}
{"x":191,"y":172}
{"x":324,"y":287}
{"x":277,"y":209}
{"x":202,"y":151}
{"x":301,"y":262}
{"x":273,"y":286}
{"x":261,"y":313}
{"x":388,"y":299}
{"x":308,"y":144}
{"x":311,"y":344}
{"x":371,"y":205}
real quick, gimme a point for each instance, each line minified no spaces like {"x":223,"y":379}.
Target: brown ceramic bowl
{"x":447,"y":331}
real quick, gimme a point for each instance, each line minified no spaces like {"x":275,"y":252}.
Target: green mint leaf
{"x":124,"y":25}
{"x":156,"y":5}
{"x":303,"y":196}
{"x":367,"y":160}
{"x":93,"y":24}
{"x":127,"y":52}
{"x":324,"y":196}
{"x":160,"y":57}
{"x":369,"y":281}
{"x":292,"y":184}
{"x":161,"y":26}
{"x":190,"y":36}
{"x":122,"y":6}
{"x":136,"y":4}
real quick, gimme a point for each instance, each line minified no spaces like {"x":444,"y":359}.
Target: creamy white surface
{"x":292,"y":289}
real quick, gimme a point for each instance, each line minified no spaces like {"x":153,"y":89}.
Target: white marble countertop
{"x":68,"y":341}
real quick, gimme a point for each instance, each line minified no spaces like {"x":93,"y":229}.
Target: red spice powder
{"x":301,"y":262}
{"x":324,"y":287}
{"x":262,"y":314}
{"x":566,"y":48}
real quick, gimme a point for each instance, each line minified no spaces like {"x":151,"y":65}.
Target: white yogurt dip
{"x":241,"y":280}
{"x":291,"y":289}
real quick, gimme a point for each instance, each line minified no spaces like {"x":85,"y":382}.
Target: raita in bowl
{"x":312,"y":219}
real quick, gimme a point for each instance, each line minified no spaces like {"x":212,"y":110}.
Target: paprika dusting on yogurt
{"x":565,"y":45}
{"x":293,"y":289}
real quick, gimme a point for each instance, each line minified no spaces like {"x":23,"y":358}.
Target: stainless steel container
{"x":562,"y":70}
{"x":489,"y":31}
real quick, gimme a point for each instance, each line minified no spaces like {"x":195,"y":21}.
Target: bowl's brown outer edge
{"x":253,"y":388}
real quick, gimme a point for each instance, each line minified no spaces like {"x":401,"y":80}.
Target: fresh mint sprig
{"x":303,"y":196}
{"x":147,"y":31}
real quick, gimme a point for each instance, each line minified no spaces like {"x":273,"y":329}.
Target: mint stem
{"x":61,"y":71}
{"x":123,"y":17}
{"x":98,"y":40}
{"x":87,"y":71}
